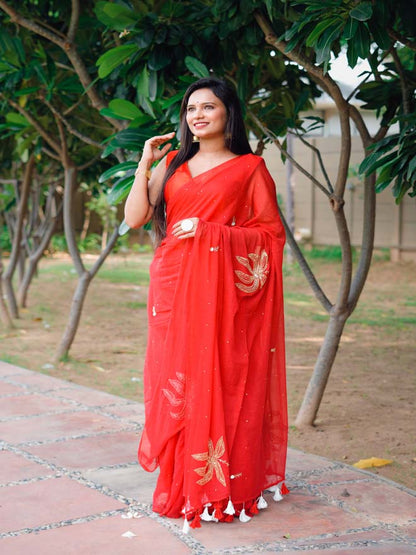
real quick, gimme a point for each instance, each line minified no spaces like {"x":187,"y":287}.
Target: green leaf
{"x":269,"y":7}
{"x":324,"y":44}
{"x":125,"y":109}
{"x":71,"y":85}
{"x":145,"y":104}
{"x":114,"y":15}
{"x":362,"y":11}
{"x":287,"y":103}
{"x":117,"y":171}
{"x":152,"y":86}
{"x":362,"y":39}
{"x":113,"y":58}
{"x":374,"y":161}
{"x":350,"y":29}
{"x":312,"y":38}
{"x":17,"y":119}
{"x":159,"y":58}
{"x":380,"y":36}
{"x":132,"y":139}
{"x":110,"y":114}
{"x":411,"y":168}
{"x":352,"y":53}
{"x":143,"y":82}
{"x":196,"y":67}
{"x":120,"y":191}
{"x":25,"y":91}
{"x":123,"y":229}
{"x":147,"y":84}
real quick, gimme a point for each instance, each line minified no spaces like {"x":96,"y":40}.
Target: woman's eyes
{"x":206,"y":107}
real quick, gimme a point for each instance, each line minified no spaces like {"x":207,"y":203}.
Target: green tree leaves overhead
{"x":113,"y":58}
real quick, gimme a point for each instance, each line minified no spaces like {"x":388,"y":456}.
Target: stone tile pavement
{"x":69,"y":478}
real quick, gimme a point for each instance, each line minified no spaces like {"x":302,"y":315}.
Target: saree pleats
{"x":215,"y":389}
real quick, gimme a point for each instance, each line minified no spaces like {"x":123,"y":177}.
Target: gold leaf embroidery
{"x":257,"y":271}
{"x":213,"y":460}
{"x":176,"y":401}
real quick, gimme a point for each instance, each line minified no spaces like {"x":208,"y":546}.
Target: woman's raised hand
{"x":151,"y":150}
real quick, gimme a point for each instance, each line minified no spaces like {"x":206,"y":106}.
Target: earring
{"x":228,"y":136}
{"x":195,"y":139}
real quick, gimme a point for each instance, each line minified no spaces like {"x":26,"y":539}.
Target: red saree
{"x":215,"y":389}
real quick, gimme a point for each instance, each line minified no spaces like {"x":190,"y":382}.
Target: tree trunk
{"x":290,"y":197}
{"x":79,"y":298}
{"x":33,"y":263}
{"x":4,"y":313}
{"x":84,"y":276}
{"x":317,"y":384}
{"x":17,"y":239}
{"x":74,"y":316}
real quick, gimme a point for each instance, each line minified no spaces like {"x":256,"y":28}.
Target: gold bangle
{"x":146,"y":173}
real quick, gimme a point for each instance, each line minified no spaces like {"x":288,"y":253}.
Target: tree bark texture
{"x":74,"y":316}
{"x":84,"y":276}
{"x":17,"y":239}
{"x":33,"y":263}
{"x":323,"y":366}
{"x":4,"y":312}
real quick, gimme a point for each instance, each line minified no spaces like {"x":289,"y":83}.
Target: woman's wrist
{"x":143,"y":171}
{"x":143,"y":168}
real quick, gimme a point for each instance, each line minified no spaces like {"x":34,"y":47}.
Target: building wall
{"x":395,"y":225}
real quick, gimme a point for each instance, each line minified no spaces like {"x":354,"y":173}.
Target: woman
{"x":214,"y":383}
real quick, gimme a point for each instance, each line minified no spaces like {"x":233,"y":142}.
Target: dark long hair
{"x":235,"y":140}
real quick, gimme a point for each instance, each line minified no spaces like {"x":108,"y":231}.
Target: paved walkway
{"x":69,"y":480}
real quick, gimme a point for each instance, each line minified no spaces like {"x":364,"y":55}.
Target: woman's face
{"x":206,"y":115}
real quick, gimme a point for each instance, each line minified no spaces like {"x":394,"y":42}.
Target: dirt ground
{"x":368,"y":409}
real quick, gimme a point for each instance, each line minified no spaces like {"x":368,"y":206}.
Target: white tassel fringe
{"x":262,"y":503}
{"x":277,"y":494}
{"x":205,"y":514}
{"x":230,"y":508}
{"x":186,"y":527}
{"x":244,"y":517}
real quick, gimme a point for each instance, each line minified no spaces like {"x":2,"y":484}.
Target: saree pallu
{"x":214,"y":377}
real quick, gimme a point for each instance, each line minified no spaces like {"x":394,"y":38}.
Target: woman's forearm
{"x":138,"y":210}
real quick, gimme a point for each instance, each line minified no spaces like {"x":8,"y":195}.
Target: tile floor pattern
{"x":68,"y":476}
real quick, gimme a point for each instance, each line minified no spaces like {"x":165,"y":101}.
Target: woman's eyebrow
{"x":203,"y":103}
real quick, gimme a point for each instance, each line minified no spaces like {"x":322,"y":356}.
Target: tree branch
{"x":358,"y":119}
{"x":345,"y":243}
{"x":104,"y":253}
{"x":403,"y":84}
{"x":329,"y":85}
{"x":367,"y":243}
{"x":71,"y":129}
{"x":73,"y":24}
{"x":316,"y":288}
{"x":47,"y":136}
{"x":400,"y":38}
{"x":276,"y":141}
{"x":32,"y":26}
{"x":50,"y":154}
{"x":65,"y":156}
{"x":69,"y":190}
{"x":89,"y":163}
{"x":70,"y":49}
{"x":318,"y":155}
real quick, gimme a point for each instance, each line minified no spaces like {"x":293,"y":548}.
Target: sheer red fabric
{"x":214,"y":379}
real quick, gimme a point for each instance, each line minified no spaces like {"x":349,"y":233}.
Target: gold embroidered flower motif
{"x":213,"y":458}
{"x":258,"y":271}
{"x":179,"y":400}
